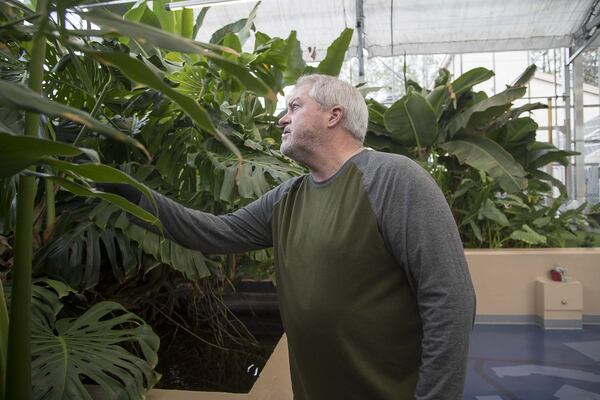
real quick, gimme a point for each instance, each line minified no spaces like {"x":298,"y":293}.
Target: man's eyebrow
{"x":292,"y":100}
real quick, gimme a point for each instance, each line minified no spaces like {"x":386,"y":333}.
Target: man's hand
{"x":129,"y":192}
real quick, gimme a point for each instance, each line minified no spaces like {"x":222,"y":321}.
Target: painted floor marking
{"x":526,"y":370}
{"x":567,"y":392}
{"x":588,"y":349}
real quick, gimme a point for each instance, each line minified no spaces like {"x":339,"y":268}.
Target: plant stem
{"x":18,"y":372}
{"x":50,"y":204}
{"x":96,"y":108}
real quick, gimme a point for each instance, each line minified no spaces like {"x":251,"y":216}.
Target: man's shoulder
{"x":383,"y":164}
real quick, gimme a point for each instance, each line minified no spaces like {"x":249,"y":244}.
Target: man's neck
{"x":329,"y":164}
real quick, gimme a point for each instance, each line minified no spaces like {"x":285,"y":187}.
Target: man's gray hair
{"x":329,"y":91}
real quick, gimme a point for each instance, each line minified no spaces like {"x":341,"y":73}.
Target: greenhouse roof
{"x":395,"y":27}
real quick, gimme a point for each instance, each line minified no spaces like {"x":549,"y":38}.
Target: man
{"x":374,"y":291}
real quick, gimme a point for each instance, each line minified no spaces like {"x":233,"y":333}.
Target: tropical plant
{"x":203,"y":111}
{"x":483,"y":154}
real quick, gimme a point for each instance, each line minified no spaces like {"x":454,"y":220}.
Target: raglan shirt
{"x":374,"y":290}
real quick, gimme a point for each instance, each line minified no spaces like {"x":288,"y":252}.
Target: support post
{"x":360,"y":24}
{"x":567,"y":132}
{"x":580,"y":189}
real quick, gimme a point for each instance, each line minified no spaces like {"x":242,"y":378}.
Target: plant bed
{"x":188,"y":363}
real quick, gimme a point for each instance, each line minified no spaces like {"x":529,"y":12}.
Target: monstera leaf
{"x":66,"y":351}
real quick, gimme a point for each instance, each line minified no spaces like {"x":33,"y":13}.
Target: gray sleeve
{"x":248,"y":228}
{"x":419,"y":230}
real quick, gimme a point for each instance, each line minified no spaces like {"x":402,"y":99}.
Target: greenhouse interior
{"x":308,"y":200}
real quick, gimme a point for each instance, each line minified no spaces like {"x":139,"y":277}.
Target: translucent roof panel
{"x":415,"y":26}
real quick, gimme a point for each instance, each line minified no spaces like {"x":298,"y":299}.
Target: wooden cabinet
{"x":559,"y":305}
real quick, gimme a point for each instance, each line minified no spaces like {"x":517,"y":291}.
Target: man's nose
{"x":283,"y":121}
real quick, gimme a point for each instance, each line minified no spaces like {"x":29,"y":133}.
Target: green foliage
{"x":192,"y":120}
{"x":484,"y":156}
{"x":67,"y":350}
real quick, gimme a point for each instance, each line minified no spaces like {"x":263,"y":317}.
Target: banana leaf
{"x":486,"y":155}
{"x":491,"y":104}
{"x":412,"y":121}
{"x":336,"y":53}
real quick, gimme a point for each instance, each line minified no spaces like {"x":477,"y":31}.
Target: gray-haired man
{"x":374,"y":290}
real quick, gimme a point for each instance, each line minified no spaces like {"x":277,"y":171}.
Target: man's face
{"x":304,"y":124}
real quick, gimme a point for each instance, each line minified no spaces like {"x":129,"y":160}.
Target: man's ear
{"x":335,"y":116}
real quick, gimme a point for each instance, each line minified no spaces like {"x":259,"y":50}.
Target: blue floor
{"x":525,"y":362}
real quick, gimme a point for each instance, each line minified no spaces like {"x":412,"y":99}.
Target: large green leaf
{"x":525,"y":77}
{"x":250,"y":177}
{"x":412,"y":121}
{"x":241,"y":28}
{"x":147,"y":34}
{"x":541,"y":175}
{"x":99,"y":173}
{"x":486,"y":155}
{"x":528,"y":235}
{"x":117,"y":200}
{"x":166,"y":17}
{"x":295,"y":62}
{"x":192,"y":264}
{"x":19,"y":152}
{"x":22,"y":98}
{"x":336,"y":52}
{"x":541,"y":153}
{"x":491,"y":212}
{"x":503,"y":99}
{"x":140,"y":72}
{"x":66,"y":351}
{"x":469,"y":79}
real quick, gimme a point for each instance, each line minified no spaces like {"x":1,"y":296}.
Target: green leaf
{"x":491,"y":212}
{"x":117,"y":200}
{"x":20,"y":97}
{"x":412,"y":121}
{"x":503,"y":99}
{"x":541,"y":154}
{"x":469,"y":79}
{"x":476,"y":230}
{"x":295,"y":62}
{"x":336,"y":52}
{"x":66,"y":351}
{"x":528,"y":236}
{"x":166,"y":17}
{"x":439,"y":99}
{"x":147,"y":34}
{"x":187,"y":23}
{"x":99,"y":173}
{"x":525,"y":77}
{"x":199,"y":21}
{"x":19,"y":152}
{"x":541,"y":175}
{"x":486,"y":155}
{"x":140,"y":72}
{"x":519,"y":129}
{"x":193,"y":264}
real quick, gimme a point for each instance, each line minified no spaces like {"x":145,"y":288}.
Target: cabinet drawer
{"x":562,"y":296}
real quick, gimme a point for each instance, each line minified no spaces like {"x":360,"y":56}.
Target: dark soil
{"x":187,"y":363}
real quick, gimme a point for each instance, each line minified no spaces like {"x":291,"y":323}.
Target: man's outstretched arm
{"x":248,"y":228}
